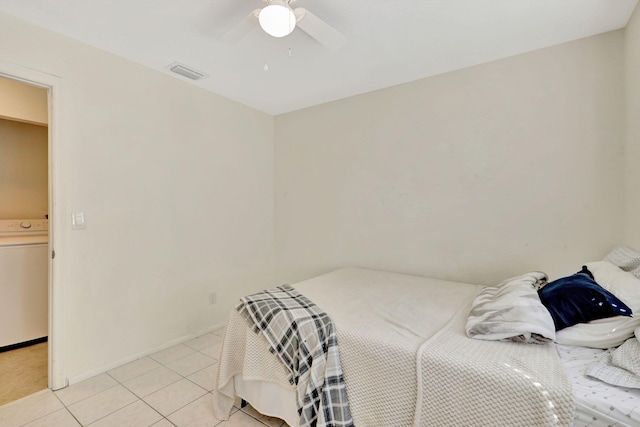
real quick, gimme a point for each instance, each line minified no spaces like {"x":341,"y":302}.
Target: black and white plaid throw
{"x":304,"y":338}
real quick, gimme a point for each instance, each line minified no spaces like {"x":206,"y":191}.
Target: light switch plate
{"x":77,"y":221}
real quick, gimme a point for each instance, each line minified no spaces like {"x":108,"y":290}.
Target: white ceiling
{"x":388,"y":42}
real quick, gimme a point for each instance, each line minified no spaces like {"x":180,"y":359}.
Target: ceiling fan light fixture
{"x":277,"y":19}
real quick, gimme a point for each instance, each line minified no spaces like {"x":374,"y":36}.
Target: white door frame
{"x":53,"y":84}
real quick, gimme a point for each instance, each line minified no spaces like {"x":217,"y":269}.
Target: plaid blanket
{"x":304,"y":338}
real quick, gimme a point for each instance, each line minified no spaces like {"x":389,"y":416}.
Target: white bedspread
{"x":492,"y":383}
{"x":406,"y":360}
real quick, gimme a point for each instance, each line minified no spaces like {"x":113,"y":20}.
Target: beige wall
{"x":177,"y":187}
{"x":473,"y":175}
{"x":23,"y":170}
{"x":23,"y":102}
{"x":632,"y":153}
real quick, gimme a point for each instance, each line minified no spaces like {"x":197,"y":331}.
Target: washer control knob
{"x":25,"y":224}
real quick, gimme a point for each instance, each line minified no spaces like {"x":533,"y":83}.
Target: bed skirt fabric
{"x":406,"y":359}
{"x":246,"y":355}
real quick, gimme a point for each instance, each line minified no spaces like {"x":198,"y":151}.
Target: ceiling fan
{"x":278,"y":20}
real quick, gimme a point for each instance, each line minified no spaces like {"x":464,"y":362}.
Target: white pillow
{"x":612,"y":331}
{"x":623,"y":257}
{"x":601,"y":333}
{"x":623,"y":285}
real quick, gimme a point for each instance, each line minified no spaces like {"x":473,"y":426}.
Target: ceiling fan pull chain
{"x":289,"y":52}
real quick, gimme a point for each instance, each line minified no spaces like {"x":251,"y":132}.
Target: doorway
{"x":24,"y":265}
{"x":51,"y":85}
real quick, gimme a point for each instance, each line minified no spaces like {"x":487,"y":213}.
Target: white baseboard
{"x":78,"y":378}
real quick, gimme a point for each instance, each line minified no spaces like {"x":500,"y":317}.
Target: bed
{"x":406,"y":359}
{"x":598,"y":404}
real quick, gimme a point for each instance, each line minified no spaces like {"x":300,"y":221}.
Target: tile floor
{"x":169,"y":388}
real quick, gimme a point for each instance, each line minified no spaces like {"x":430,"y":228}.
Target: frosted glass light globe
{"x":277,"y":20}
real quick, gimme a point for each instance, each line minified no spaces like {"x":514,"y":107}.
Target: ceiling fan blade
{"x":245,"y":26}
{"x":318,"y":29}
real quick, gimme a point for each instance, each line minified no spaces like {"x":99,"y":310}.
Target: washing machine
{"x":24,"y":281}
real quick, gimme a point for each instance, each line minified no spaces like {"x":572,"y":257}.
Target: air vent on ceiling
{"x":185,"y":71}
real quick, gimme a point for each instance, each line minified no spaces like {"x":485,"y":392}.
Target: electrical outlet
{"x":212,"y":298}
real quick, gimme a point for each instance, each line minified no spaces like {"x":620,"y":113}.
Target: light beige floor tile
{"x":87,"y":388}
{"x":163,"y":423}
{"x":174,"y":396}
{"x":102,"y":404}
{"x":203,"y":341}
{"x":213,"y":351}
{"x":61,"y":418}
{"x":205,"y":378}
{"x":133,"y":369}
{"x":195,"y":414}
{"x":265,"y":419}
{"x":190,"y":364}
{"x":240,"y":419}
{"x":29,"y":408}
{"x":172,"y":353}
{"x":152,"y":381}
{"x":219,"y":331}
{"x":138,"y":414}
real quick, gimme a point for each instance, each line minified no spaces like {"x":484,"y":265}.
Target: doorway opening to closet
{"x":25,"y":250}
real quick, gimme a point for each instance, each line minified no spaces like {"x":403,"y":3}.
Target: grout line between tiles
{"x":183,"y":406}
{"x":67,"y":409}
{"x":88,"y":397}
{"x":133,"y":403}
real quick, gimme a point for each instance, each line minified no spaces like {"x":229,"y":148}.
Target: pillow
{"x":623,"y":257}
{"x":511,"y":311}
{"x":623,"y":285}
{"x":579,"y":299}
{"x":601,"y":333}
{"x":612,"y":331}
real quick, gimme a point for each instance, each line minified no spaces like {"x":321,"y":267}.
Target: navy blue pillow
{"x":579,"y":299}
